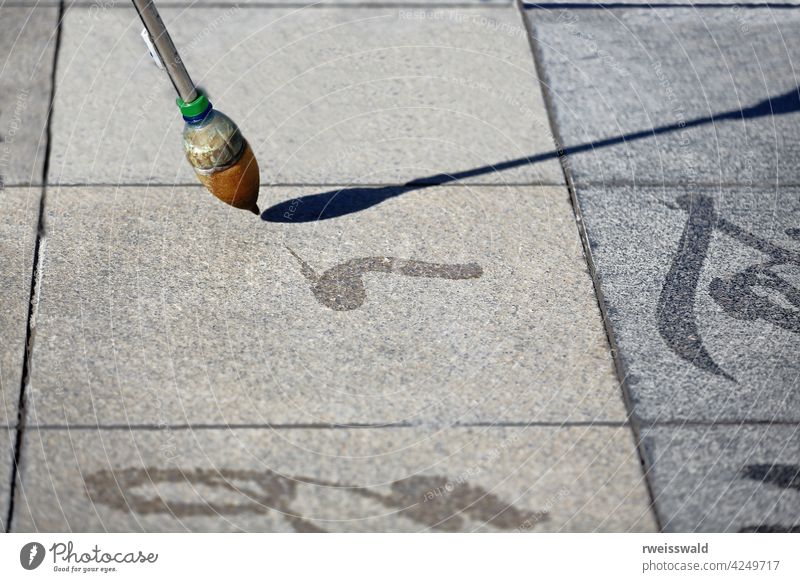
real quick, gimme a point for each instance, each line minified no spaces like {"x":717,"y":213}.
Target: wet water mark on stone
{"x":542,"y":514}
{"x":759,"y":292}
{"x":780,"y":475}
{"x":770,"y":528}
{"x":474,"y":470}
{"x":783,"y":476}
{"x":341,"y":287}
{"x":151,"y":490}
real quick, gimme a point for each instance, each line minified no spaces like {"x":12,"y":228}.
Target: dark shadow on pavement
{"x":336,"y":203}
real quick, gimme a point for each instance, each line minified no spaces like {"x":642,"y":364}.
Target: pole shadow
{"x":344,"y":201}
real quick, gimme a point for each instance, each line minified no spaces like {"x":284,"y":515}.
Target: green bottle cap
{"x":195,"y":108}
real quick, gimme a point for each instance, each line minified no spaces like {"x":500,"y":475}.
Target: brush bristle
{"x":237,"y":185}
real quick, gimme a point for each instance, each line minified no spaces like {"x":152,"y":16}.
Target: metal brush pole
{"x":166,"y":49}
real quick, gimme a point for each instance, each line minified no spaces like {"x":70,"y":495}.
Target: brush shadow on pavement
{"x":344,"y":201}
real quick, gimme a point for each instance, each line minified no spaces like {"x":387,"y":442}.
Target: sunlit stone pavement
{"x":518,"y":268}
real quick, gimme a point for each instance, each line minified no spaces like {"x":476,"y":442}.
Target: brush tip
{"x":238,"y":184}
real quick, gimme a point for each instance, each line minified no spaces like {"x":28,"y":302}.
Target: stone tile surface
{"x":579,"y":4}
{"x":726,"y":478}
{"x":674,"y":95}
{"x":294,"y":3}
{"x":701,"y":288}
{"x":6,"y":464}
{"x":329,"y":95}
{"x":19,"y":208}
{"x":26,"y":63}
{"x":31,"y":3}
{"x":445,"y":304}
{"x":468,"y":479}
{"x":105,"y":5}
{"x":645,"y":5}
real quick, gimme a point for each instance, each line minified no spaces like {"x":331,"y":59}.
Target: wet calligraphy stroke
{"x":433,"y":501}
{"x":738,"y":295}
{"x":778,"y":475}
{"x":783,"y":476}
{"x":341,"y":287}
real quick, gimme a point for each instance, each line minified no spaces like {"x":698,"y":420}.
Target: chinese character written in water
{"x":748,"y":295}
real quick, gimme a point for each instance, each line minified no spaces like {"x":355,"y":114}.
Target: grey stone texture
{"x":26,"y":64}
{"x":26,"y":54}
{"x":6,"y":465}
{"x":329,"y":95}
{"x":307,"y":4}
{"x":726,"y":478}
{"x":440,"y":305}
{"x":19,"y":208}
{"x":700,"y":287}
{"x":674,"y":95}
{"x":680,"y":130}
{"x":466,"y":479}
{"x":424,"y":316}
{"x":645,"y":5}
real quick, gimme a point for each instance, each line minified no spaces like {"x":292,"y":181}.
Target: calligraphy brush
{"x":220,"y":155}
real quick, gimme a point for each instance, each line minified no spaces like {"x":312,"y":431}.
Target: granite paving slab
{"x":444,"y":304}
{"x":120,"y":4}
{"x":31,"y":3}
{"x":26,"y":64}
{"x":702,"y":289}
{"x":726,"y":478}
{"x":7,"y":437}
{"x":468,"y":479}
{"x":324,"y":95}
{"x":644,"y":4}
{"x":579,"y":4}
{"x":674,"y":95}
{"x":19,"y":208}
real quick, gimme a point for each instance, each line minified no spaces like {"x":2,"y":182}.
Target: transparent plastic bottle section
{"x":213,"y":142}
